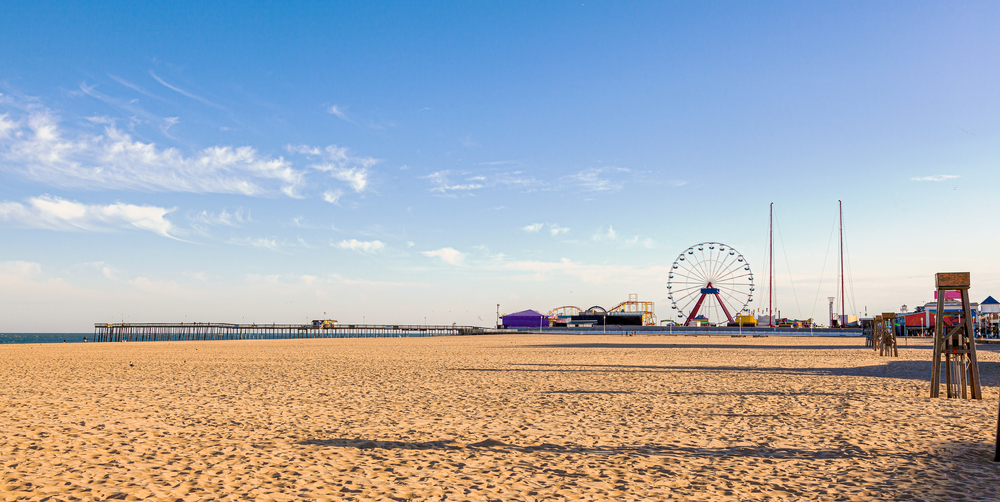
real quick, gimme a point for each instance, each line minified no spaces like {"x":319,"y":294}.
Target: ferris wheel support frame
{"x":697,"y":306}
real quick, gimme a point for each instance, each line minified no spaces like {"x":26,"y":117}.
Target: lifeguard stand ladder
{"x":887,"y":345}
{"x":957,"y":343}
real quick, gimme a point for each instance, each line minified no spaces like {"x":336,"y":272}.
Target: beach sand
{"x":518,"y":417}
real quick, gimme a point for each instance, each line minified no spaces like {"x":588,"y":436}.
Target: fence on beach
{"x":154,"y":332}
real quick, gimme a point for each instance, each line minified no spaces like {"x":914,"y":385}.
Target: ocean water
{"x":43,"y":337}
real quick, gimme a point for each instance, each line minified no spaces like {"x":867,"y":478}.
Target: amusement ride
{"x":710,"y":284}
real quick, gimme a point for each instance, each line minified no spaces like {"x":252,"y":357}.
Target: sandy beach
{"x":520,"y":417}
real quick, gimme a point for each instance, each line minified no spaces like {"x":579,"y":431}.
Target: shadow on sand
{"x":977,"y":453}
{"x":647,"y":450}
{"x":893,"y":368}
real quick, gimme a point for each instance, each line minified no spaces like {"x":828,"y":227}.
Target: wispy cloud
{"x":335,"y":110}
{"x":534,"y":227}
{"x":936,"y":177}
{"x":20,"y":269}
{"x":37,"y":147}
{"x":54,"y":213}
{"x":596,"y":179}
{"x":332,"y":196}
{"x":448,"y":255}
{"x":601,"y":235}
{"x":356,"y":177}
{"x":443,"y":184}
{"x":130,"y":108}
{"x":556,"y":229}
{"x":134,"y":87}
{"x":224,"y":217}
{"x":183,"y":92}
{"x":361,"y":246}
{"x":447,"y":181}
{"x":340,"y":164}
{"x":635,"y":241}
{"x":257,"y":242}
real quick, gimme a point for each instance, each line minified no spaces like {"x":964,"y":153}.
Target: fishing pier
{"x":161,"y":332}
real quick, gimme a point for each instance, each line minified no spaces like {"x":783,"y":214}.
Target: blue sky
{"x":403,"y":161}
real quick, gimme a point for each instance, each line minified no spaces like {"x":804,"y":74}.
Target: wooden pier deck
{"x":151,"y":332}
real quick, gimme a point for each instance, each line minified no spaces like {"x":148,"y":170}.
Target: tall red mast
{"x":770,"y":271}
{"x":843,"y":319}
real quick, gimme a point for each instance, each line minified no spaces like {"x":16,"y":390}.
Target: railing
{"x":149,"y":332}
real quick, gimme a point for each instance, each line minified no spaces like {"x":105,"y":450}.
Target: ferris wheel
{"x":711,"y":279}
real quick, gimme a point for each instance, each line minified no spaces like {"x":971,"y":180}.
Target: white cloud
{"x":183,"y":92}
{"x":335,"y":110}
{"x":332,"y":196}
{"x":634,"y":240}
{"x":304,"y":150}
{"x":444,"y":184}
{"x":534,"y":227}
{"x":21,"y":269}
{"x":261,"y":242}
{"x":55,"y":213}
{"x":936,"y":177}
{"x":448,"y":255}
{"x":340,"y":164}
{"x":6,"y":126}
{"x":224,"y":217}
{"x":591,"y":180}
{"x":357,"y":178}
{"x":440,"y":178}
{"x":37,"y":147}
{"x":556,"y":229}
{"x":609,"y":235}
{"x":361,"y":246}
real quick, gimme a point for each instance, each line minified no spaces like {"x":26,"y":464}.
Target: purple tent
{"x":524,"y":319}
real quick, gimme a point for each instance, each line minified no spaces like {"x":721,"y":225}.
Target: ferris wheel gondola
{"x":711,"y":279}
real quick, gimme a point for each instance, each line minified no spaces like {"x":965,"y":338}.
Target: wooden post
{"x":957,"y":343}
{"x":887,"y":345}
{"x":996,"y":457}
{"x":876,"y":332}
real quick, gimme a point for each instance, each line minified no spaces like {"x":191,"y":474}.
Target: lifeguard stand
{"x":887,"y":344}
{"x":875,"y":333}
{"x":957,"y":343}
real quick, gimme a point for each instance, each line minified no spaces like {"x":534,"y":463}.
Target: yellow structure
{"x":634,"y":306}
